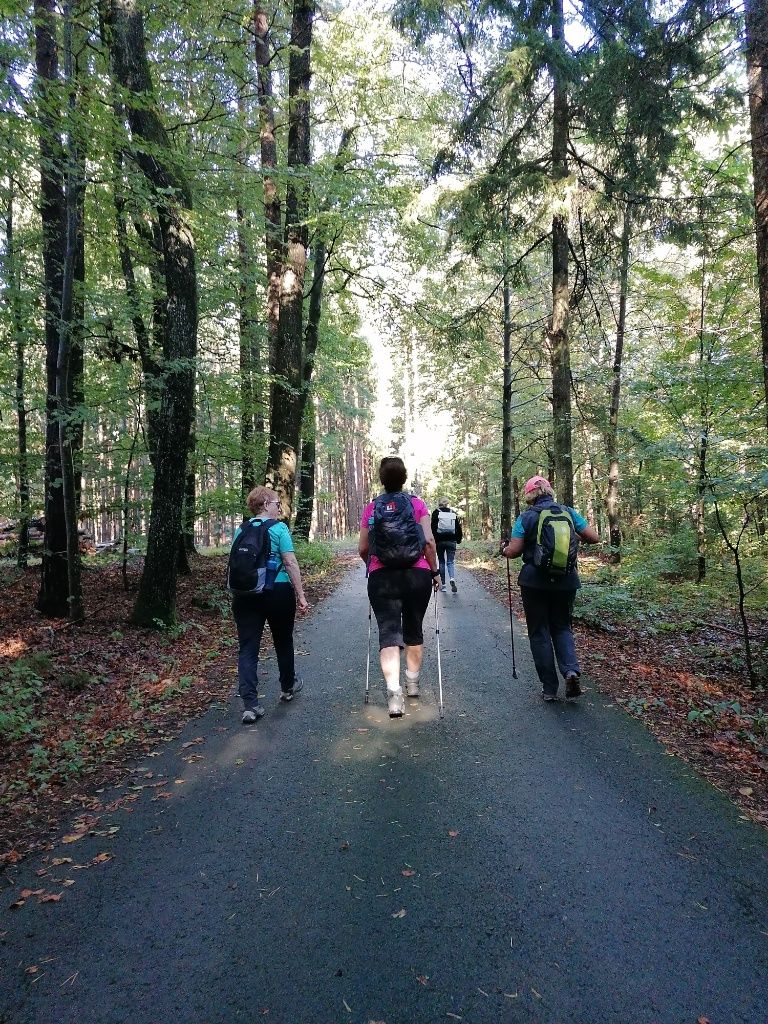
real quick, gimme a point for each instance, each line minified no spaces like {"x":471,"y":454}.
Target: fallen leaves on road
{"x":400,"y":913}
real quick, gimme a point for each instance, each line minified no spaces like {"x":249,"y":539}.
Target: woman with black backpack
{"x":265,"y":582}
{"x":397,"y":545}
{"x":547,"y":536}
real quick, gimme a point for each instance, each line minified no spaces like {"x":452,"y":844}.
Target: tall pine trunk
{"x":560,"y":354}
{"x":311,"y":340}
{"x":73,"y":262}
{"x":273,"y":233}
{"x":506,"y":414}
{"x":171,"y":195}
{"x":13,"y":300}
{"x":612,"y":438}
{"x":286,"y":404}
{"x":248,"y":319}
{"x":757,"y":71}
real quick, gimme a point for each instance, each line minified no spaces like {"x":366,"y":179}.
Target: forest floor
{"x":675,"y":674}
{"x":82,"y":703}
{"x":79,"y":704}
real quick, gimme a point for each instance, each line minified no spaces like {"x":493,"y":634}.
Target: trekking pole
{"x":368,"y":660}
{"x":439,"y":667}
{"x":511,"y":627}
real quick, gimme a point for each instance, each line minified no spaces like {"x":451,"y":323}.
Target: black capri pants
{"x":399,"y":598}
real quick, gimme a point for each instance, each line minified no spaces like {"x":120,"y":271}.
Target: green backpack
{"x":557,"y":543}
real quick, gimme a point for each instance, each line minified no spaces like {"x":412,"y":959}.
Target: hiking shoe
{"x":453,"y":586}
{"x":412,"y":686}
{"x":251,"y":715}
{"x":572,"y":688}
{"x":548,"y":696}
{"x":395,"y":703}
{"x":298,"y":685}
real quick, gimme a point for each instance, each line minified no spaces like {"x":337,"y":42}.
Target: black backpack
{"x":557,"y":543}
{"x":394,"y":536}
{"x":248,"y":571}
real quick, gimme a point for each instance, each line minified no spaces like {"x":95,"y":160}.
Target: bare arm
{"x":363,"y":547}
{"x":294,"y":574}
{"x":430,"y":548}
{"x":589,"y":535}
{"x":513,"y":548}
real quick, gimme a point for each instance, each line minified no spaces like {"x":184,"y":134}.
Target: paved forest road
{"x":516,"y":862}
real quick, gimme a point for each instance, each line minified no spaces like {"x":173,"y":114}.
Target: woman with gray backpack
{"x":398,"y":548}
{"x":547,"y":535}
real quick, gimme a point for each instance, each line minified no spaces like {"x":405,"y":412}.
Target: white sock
{"x":411,"y":677}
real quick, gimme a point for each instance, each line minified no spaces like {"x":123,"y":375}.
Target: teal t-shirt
{"x":280,"y":542}
{"x":579,"y":522}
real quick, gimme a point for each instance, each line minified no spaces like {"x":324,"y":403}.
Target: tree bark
{"x":506,"y":414}
{"x":13,"y":300}
{"x":73,"y":206}
{"x":171,"y":194}
{"x":273,"y":235}
{"x":560,"y":355}
{"x":757,"y":71}
{"x":248,"y":319}
{"x":285,"y":406}
{"x":612,"y":439}
{"x":52,"y":598}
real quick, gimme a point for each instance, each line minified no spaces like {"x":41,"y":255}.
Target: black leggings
{"x":399,"y":598}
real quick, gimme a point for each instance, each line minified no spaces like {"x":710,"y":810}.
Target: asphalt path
{"x":513,"y":862}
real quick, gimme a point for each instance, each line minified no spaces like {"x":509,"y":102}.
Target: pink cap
{"x":535,"y":482}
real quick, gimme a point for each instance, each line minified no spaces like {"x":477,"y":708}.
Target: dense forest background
{"x":535,"y":233}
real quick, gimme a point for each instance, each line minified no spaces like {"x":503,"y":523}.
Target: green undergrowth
{"x":653,"y":592}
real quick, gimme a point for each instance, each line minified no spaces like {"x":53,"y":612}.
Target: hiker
{"x":397,"y":546}
{"x":547,"y":536}
{"x":276,"y":604}
{"x":446,"y":529}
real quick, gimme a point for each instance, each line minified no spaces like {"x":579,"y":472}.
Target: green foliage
{"x":20,"y":691}
{"x":314,"y":557}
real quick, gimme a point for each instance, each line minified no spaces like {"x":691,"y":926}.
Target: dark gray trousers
{"x":548,"y":616}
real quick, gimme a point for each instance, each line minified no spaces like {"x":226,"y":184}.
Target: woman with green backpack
{"x":547,"y":535}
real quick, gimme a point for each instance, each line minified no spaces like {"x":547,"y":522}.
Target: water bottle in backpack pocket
{"x":557,"y":543}
{"x":252,"y":567}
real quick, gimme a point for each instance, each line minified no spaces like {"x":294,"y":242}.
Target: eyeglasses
{"x":275,"y":502}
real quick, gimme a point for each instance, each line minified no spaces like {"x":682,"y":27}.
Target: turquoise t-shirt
{"x":280,"y":542}
{"x":579,"y":522}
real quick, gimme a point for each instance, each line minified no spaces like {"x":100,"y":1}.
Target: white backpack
{"x":446,"y":521}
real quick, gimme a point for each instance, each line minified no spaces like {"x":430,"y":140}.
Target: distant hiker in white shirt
{"x":446,"y":529}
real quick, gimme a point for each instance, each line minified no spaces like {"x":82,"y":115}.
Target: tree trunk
{"x":73,"y":206}
{"x":273,"y":237}
{"x":560,"y":355}
{"x":149,"y":366}
{"x":703,"y":446}
{"x":306,"y":502}
{"x":157,"y":591}
{"x":486,"y":516}
{"x":248,"y":319}
{"x":305,"y":511}
{"x":612,"y":439}
{"x":13,"y":300}
{"x":52,"y":598}
{"x":757,"y":70}
{"x":285,"y":406}
{"x":506,"y":413}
